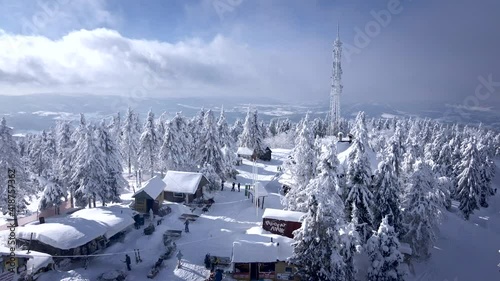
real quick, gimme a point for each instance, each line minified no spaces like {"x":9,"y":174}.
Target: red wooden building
{"x":281,"y":222}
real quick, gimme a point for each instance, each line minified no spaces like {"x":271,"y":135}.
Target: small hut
{"x":281,"y":222}
{"x":266,"y":155}
{"x":247,"y":153}
{"x":150,"y":196}
{"x":184,"y":186}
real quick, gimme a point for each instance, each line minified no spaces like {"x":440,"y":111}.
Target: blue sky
{"x":426,"y":51}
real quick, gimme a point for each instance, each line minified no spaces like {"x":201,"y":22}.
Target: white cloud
{"x":103,"y":61}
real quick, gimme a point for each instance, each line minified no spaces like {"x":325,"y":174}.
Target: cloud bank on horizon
{"x":394,"y":50}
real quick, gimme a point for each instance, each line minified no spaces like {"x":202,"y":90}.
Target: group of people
{"x":233,"y":188}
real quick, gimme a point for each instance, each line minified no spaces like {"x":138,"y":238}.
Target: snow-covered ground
{"x":232,"y":217}
{"x":465,"y":250}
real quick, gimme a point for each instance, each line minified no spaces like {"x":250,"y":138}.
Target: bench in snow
{"x":190,"y":217}
{"x":173,"y":233}
{"x":221,"y":260}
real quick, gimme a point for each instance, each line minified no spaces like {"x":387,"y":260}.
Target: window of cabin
{"x":242,"y":268}
{"x":288,"y":269}
{"x":178,"y":195}
{"x":267,"y":267}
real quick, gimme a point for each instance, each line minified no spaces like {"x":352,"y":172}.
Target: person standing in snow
{"x":179,"y":258}
{"x":186,"y":225}
{"x":234,"y":184}
{"x":239,"y":187}
{"x":127,"y":261}
{"x":222,"y":186}
{"x":218,"y":275}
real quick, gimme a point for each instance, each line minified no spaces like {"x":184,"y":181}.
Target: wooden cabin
{"x":150,"y":196}
{"x":281,"y":222}
{"x":81,"y":233}
{"x":247,"y":153}
{"x":183,"y":186}
{"x":266,"y":154}
{"x":259,"y":259}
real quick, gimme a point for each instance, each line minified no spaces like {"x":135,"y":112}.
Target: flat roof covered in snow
{"x":244,"y":151}
{"x":182,"y":182}
{"x":152,"y":187}
{"x":283,"y":215}
{"x":258,"y":189}
{"x":79,"y":228}
{"x":260,"y":249}
{"x":36,"y":260}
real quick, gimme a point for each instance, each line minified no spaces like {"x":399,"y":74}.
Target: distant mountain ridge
{"x":38,"y":112}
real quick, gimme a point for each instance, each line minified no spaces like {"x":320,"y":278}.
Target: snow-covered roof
{"x":259,"y":189}
{"x":282,"y":215}
{"x":79,"y":228}
{"x":36,"y":260}
{"x":182,"y":182}
{"x":152,"y":187}
{"x":258,"y":248}
{"x":244,"y":151}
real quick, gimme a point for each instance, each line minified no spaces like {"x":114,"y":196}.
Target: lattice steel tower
{"x":336,"y":90}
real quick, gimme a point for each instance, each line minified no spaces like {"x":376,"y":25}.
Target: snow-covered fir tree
{"x":420,"y":213}
{"x":213,"y":179}
{"x":10,"y":159}
{"x":114,"y":182}
{"x":251,"y":136}
{"x":89,"y":169}
{"x":237,"y":129}
{"x":385,"y":258}
{"x":469,"y":180}
{"x":302,"y":165}
{"x":130,"y":140}
{"x":317,"y":243}
{"x":209,"y":150}
{"x":149,"y":145}
{"x":386,"y":195}
{"x":174,"y":154}
{"x":358,"y":197}
{"x":227,"y":144}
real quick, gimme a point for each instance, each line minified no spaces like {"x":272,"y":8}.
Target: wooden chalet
{"x":263,"y":258}
{"x":281,"y":222}
{"x":150,"y":196}
{"x":183,"y":186}
{"x":81,"y":233}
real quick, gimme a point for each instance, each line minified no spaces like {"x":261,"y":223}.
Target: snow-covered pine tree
{"x":114,"y":182}
{"x":237,"y":129}
{"x":213,"y":179}
{"x":317,"y":244}
{"x":161,"y":128}
{"x":174,"y":152}
{"x":115,"y":128}
{"x":387,"y":193}
{"x":227,"y":144}
{"x":130,"y":140}
{"x":469,"y":179}
{"x":89,"y":169}
{"x":62,"y":166}
{"x":325,"y":181}
{"x":149,"y":145}
{"x":210,"y":150}
{"x":251,"y":136}
{"x":358,"y":176}
{"x":10,"y":159}
{"x":419,"y":212}
{"x":302,"y":166}
{"x":384,"y":254}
